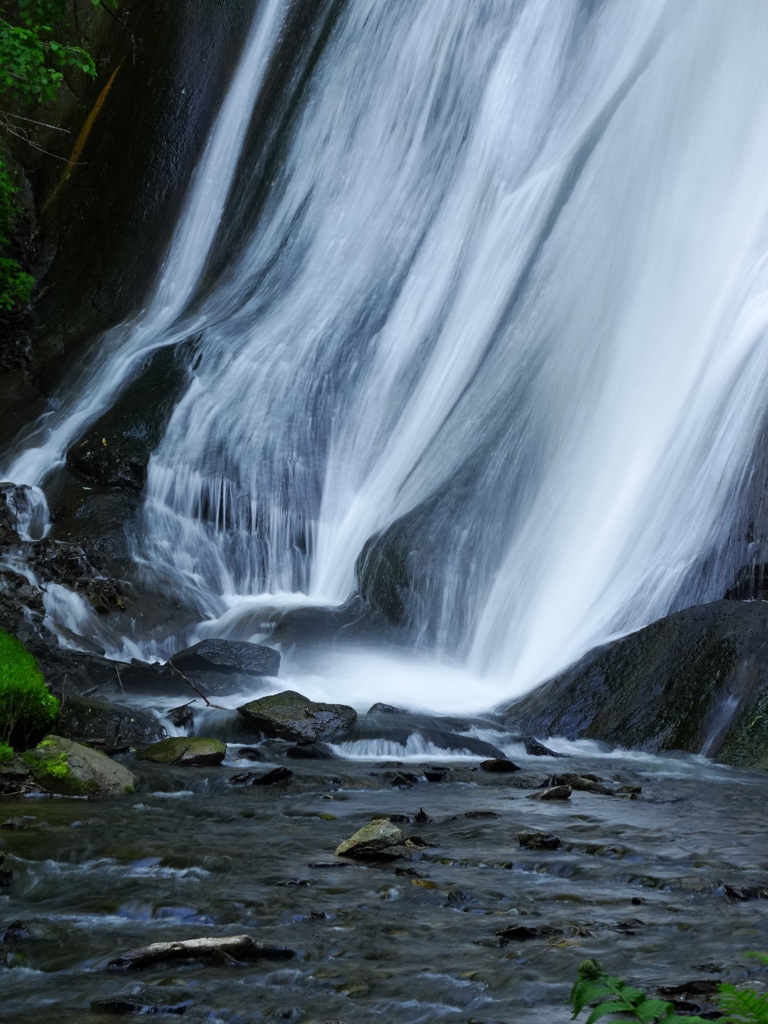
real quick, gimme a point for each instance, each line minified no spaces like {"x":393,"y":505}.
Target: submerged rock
{"x":61,"y":766}
{"x":310,"y":752}
{"x":538,"y":841}
{"x":291,"y":716}
{"x":380,"y":839}
{"x":185,"y":750}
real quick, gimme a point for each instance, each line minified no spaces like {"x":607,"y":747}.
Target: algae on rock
{"x":70,"y":769}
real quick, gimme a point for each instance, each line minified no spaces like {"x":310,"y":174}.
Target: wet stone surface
{"x":469,"y":923}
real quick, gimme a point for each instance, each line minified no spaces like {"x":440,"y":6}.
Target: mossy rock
{"x":379,"y":839}
{"x":70,"y":769}
{"x":291,"y":716}
{"x":184,"y":750}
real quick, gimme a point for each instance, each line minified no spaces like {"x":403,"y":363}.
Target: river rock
{"x":584,"y":784}
{"x":83,"y":718}
{"x":291,"y":716}
{"x":235,"y":656}
{"x":62,"y":766}
{"x":221,"y":951}
{"x":535,"y":749}
{"x":185,"y":750}
{"x":268,"y":778}
{"x":695,"y":680}
{"x":378,"y":840}
{"x":538,"y":841}
{"x":499,"y":765}
{"x":552,"y":793}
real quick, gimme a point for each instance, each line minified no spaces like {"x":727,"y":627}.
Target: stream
{"x":638,"y":882}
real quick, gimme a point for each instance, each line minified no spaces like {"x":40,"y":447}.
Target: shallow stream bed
{"x":640,"y":883}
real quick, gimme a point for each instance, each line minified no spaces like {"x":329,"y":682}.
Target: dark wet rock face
{"x":535,"y":749}
{"x":291,"y":716}
{"x":692,"y":681}
{"x":94,"y":721}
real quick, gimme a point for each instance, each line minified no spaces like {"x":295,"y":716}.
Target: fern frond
{"x":615,"y":997}
{"x":743,"y":1006}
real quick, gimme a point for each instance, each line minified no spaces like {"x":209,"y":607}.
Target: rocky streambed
{"x":480,"y":910}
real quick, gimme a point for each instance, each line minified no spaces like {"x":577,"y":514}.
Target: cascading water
{"x":507,"y":293}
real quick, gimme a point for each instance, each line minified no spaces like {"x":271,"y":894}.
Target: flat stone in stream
{"x":552,"y":793}
{"x":379,"y":840}
{"x":223,"y":952}
{"x":584,"y":784}
{"x":70,"y":769}
{"x":291,"y":716}
{"x":187,"y":751}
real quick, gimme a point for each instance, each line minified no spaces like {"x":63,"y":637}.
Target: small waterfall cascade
{"x":505,"y":300}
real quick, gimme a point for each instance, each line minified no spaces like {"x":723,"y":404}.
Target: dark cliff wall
{"x":96,"y":226}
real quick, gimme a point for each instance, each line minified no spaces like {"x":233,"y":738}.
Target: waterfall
{"x":506,"y":294}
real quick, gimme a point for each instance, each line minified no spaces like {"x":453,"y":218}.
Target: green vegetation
{"x":32,"y":65}
{"x":614,"y":1000}
{"x":6,"y":753}
{"x":26,"y":705}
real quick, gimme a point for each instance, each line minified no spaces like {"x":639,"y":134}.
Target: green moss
{"x":6,"y":753}
{"x":26,"y":704}
{"x":746,"y":744}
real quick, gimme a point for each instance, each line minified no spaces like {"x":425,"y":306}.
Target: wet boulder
{"x":228,"y":655}
{"x":536,"y":749}
{"x":499,"y":766}
{"x":534,"y":840}
{"x":86,"y":719}
{"x":695,"y":681}
{"x":61,"y":766}
{"x":379,"y":840}
{"x":291,"y":716}
{"x":188,"y":751}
